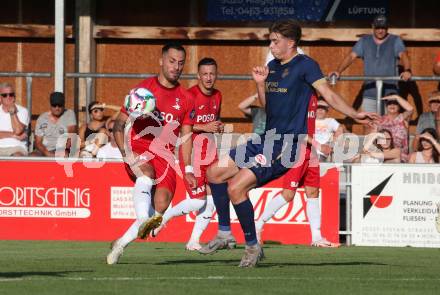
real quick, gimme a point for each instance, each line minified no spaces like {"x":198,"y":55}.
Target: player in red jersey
{"x":148,"y":148}
{"x":207,"y":102}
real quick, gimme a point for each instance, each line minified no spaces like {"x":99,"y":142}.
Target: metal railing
{"x":91,"y":77}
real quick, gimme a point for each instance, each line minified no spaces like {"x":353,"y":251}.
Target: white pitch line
{"x":213,"y":278}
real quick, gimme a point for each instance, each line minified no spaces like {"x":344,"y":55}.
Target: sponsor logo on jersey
{"x":285,"y":73}
{"x":177,"y":106}
{"x":205,"y":118}
{"x":162,"y":116}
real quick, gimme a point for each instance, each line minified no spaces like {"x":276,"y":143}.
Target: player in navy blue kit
{"x":285,"y":87}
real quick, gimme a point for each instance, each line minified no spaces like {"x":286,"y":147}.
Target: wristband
{"x":189,"y":169}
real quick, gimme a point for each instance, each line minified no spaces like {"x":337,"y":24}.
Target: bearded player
{"x":207,"y":103}
{"x":150,"y":157}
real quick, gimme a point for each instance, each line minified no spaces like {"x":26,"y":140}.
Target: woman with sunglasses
{"x":428,"y":149}
{"x":93,"y":135}
{"x":396,"y":120}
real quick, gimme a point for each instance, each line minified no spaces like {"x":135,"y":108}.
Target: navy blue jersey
{"x":288,"y":93}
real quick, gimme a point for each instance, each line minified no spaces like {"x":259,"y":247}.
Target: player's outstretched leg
{"x":202,"y":221}
{"x":143,"y":208}
{"x":184,"y":207}
{"x":224,"y":238}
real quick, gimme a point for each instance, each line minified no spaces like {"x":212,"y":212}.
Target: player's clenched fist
{"x":260,"y":73}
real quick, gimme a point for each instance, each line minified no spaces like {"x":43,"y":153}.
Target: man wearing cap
{"x":380,"y":52}
{"x":52,"y":124}
{"x":429,"y":119}
{"x":13,"y":122}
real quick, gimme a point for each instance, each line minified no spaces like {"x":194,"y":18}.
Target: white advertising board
{"x":395,"y":205}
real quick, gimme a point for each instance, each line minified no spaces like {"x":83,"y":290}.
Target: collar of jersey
{"x":289,"y":60}
{"x":163,"y":87}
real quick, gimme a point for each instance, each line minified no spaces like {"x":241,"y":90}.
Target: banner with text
{"x":395,"y":205}
{"x":93,"y":201}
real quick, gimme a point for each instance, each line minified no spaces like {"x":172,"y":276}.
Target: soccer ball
{"x":139,"y":102}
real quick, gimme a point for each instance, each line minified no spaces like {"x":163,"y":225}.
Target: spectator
{"x":428,"y":148}
{"x":93,"y":134}
{"x":429,"y":119}
{"x":326,"y":130}
{"x":52,"y":124}
{"x":257,"y":114}
{"x":380,"y":52}
{"x":437,"y":64}
{"x":13,"y":122}
{"x":397,"y":122}
{"x":379,"y":148}
{"x":110,"y":150}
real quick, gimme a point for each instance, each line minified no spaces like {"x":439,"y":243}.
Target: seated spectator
{"x":93,"y":134}
{"x":397,"y":122}
{"x":430,"y":119}
{"x":14,"y":120}
{"x":52,"y":124}
{"x":257,"y":113}
{"x":326,"y":130}
{"x":110,"y":150}
{"x":428,"y":149}
{"x":379,"y":148}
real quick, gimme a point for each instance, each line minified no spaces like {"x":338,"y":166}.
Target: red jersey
{"x":311,"y":115}
{"x":174,"y":107}
{"x":207,"y":107}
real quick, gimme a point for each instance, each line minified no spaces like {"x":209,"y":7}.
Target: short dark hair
{"x":207,"y":61}
{"x":288,"y":28}
{"x":173,"y":45}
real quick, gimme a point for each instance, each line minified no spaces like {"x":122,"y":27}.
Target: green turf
{"x":29,"y":267}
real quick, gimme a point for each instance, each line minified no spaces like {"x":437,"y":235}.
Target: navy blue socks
{"x":245,"y":214}
{"x":221,"y":201}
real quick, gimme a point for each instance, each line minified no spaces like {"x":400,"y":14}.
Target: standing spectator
{"x":380,"y":52}
{"x":13,"y":122}
{"x":52,"y":124}
{"x":428,"y":148}
{"x":327,"y":130}
{"x":397,"y":122}
{"x":110,"y":150}
{"x":437,"y":64}
{"x":429,"y":119}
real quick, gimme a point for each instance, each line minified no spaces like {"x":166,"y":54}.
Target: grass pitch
{"x":30,"y":267}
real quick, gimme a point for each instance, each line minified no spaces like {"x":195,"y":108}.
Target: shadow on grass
{"x":359,"y":263}
{"x":266,"y":264}
{"x":57,"y":274}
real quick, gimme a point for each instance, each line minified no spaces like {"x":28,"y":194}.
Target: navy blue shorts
{"x":266,"y":164}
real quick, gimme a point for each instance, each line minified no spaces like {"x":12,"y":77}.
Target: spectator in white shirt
{"x":110,"y":150}
{"x":327,"y":130}
{"x":14,"y":120}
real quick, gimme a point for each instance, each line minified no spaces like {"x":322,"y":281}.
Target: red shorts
{"x":165,"y":173}
{"x":306,"y":174}
{"x":204,"y":154}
